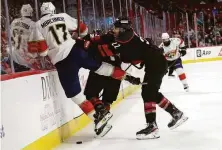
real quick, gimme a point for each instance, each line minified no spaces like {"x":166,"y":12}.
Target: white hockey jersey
{"x":21,"y":29}
{"x":52,"y":33}
{"x":171,"y":52}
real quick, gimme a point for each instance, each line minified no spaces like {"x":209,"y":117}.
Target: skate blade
{"x":106,"y":130}
{"x":154,"y":135}
{"x":104,"y":121}
{"x":179,"y":122}
{"x":186,"y":89}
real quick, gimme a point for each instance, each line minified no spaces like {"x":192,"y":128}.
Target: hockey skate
{"x":102,"y":116}
{"x":186,"y":87}
{"x":178,"y":119}
{"x":150,"y":132}
{"x":101,"y":132}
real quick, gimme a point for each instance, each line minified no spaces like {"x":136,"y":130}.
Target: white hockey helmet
{"x":47,"y":8}
{"x":26,"y":10}
{"x":166,"y":39}
{"x":165,"y":36}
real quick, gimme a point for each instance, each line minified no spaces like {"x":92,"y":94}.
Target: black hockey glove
{"x":133,"y":80}
{"x":183,"y":51}
{"x":89,"y":47}
{"x":80,"y":43}
{"x":85,"y":44}
{"x":87,"y":37}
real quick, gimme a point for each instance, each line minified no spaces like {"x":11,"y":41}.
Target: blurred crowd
{"x":208,"y":29}
{"x":6,"y":63}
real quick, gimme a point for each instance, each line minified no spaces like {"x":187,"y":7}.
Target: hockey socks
{"x":178,"y":117}
{"x":166,"y":104}
{"x":183,"y":78}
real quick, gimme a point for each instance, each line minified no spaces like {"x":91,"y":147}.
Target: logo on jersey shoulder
{"x":201,"y":53}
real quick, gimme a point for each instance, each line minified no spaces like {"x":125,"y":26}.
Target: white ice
{"x":203,"y":105}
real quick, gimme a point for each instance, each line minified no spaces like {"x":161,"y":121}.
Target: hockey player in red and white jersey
{"x":52,"y":37}
{"x":20,"y":30}
{"x":174,"y":49}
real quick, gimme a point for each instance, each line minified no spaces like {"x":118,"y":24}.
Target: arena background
{"x":24,"y":119}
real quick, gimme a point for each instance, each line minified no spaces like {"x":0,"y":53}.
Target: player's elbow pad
{"x":112,"y":71}
{"x":43,"y":54}
{"x":42,"y":48}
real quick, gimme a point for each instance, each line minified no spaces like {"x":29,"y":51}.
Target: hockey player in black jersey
{"x":108,"y":80}
{"x":97,"y":83}
{"x":134,"y":49}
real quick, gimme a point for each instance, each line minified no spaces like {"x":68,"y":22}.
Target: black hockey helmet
{"x":97,"y":31}
{"x":123,"y":22}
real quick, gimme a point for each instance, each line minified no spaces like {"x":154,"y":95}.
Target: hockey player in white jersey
{"x":174,"y":48}
{"x":20,"y":30}
{"x":69,"y":55}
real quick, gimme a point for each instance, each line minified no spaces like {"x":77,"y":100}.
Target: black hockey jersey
{"x":133,"y":49}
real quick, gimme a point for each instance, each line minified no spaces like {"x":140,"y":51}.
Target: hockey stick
{"x":78,"y":16}
{"x":128,"y":67}
{"x":174,"y":62}
{"x":141,"y":66}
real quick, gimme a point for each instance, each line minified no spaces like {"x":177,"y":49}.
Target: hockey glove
{"x":82,"y":43}
{"x":86,"y":45}
{"x":133,"y":80}
{"x":87,"y":37}
{"x":183,"y":51}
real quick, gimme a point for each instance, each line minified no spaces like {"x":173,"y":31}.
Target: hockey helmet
{"x":26,"y":10}
{"x":47,"y":8}
{"x":166,"y":39}
{"x":123,"y":22}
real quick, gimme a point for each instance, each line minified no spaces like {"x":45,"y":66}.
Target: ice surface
{"x":203,"y":105}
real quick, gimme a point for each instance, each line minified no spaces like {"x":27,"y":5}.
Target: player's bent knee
{"x":79,"y":98}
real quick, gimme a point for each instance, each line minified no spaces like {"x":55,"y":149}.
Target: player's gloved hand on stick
{"x":133,"y":80}
{"x":183,"y":51}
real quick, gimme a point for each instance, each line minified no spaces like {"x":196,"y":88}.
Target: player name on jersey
{"x":22,"y":24}
{"x":47,"y":22}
